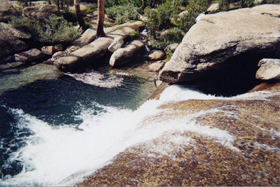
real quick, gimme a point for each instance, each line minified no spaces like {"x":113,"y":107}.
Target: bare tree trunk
{"x":62,"y":4}
{"x":143,"y":4}
{"x":50,"y":2}
{"x":100,"y":21}
{"x":79,"y":16}
{"x":58,"y":6}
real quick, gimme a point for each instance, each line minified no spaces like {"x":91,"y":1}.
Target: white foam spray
{"x":60,"y":156}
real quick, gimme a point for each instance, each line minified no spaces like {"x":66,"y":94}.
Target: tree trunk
{"x":100,"y":21}
{"x":50,"y":2}
{"x":62,"y":4}
{"x":143,"y":4}
{"x":58,"y":6}
{"x":79,"y":16}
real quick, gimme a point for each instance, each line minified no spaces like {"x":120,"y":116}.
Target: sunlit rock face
{"x":218,"y":40}
{"x":214,"y":141}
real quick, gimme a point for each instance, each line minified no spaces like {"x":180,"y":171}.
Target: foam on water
{"x":56,"y":155}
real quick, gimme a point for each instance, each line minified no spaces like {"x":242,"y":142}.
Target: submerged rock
{"x":269,"y":69}
{"x":97,"y":79}
{"x":216,"y":39}
{"x":28,"y":75}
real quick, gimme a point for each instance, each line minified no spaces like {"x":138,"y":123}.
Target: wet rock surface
{"x":223,"y":141}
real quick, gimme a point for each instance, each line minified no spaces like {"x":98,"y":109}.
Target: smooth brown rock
{"x":222,"y":36}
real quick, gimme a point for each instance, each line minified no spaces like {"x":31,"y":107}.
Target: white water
{"x":62,"y":156}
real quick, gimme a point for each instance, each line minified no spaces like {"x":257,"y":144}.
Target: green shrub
{"x":160,"y":18}
{"x":111,"y":3}
{"x":54,"y":29}
{"x":247,"y":3}
{"x":88,"y":10}
{"x":173,"y":35}
{"x":122,"y":13}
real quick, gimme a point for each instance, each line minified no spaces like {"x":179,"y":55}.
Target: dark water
{"x":57,"y":102}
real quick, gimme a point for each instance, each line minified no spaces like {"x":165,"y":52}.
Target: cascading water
{"x":54,"y":132}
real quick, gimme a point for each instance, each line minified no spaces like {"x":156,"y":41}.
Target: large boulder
{"x":6,"y":11}
{"x":92,"y":51}
{"x":10,"y":42}
{"x":216,"y":39}
{"x":123,"y":55}
{"x":269,"y":69}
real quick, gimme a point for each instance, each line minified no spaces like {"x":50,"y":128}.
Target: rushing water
{"x":50,"y":129}
{"x":54,"y":132}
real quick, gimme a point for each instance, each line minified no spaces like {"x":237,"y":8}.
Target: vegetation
{"x":54,"y":29}
{"x":167,"y":16}
{"x":122,"y":13}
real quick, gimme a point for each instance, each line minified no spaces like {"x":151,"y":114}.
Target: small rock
{"x":48,"y":50}
{"x":58,"y":55}
{"x":156,"y":55}
{"x":117,"y":43}
{"x":269,"y":69}
{"x":58,"y":47}
{"x":27,"y":56}
{"x":214,"y":7}
{"x":171,"y":47}
{"x":156,"y":66}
